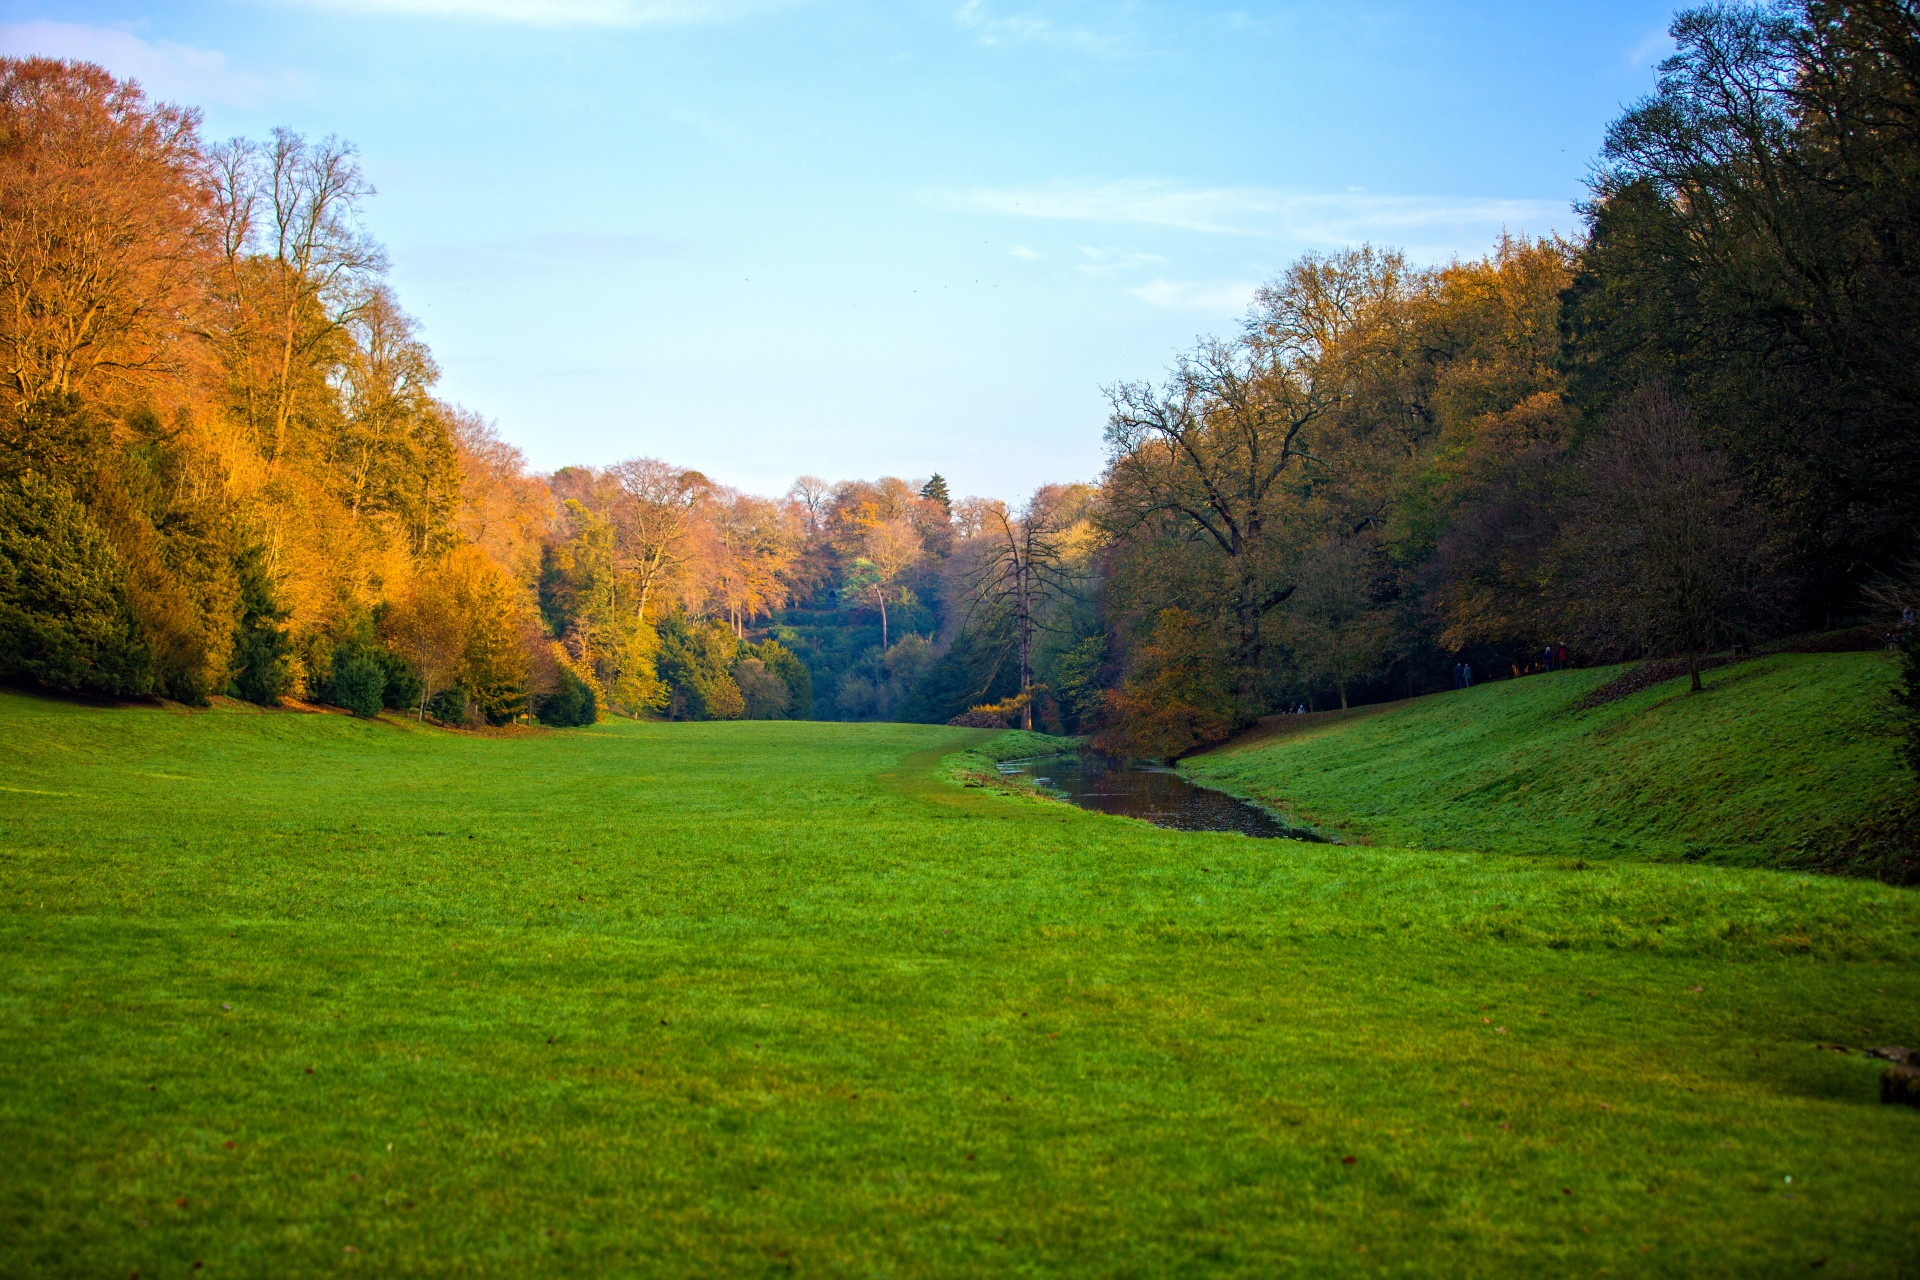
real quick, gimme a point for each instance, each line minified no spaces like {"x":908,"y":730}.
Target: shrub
{"x":570,"y":705}
{"x":359,"y":684}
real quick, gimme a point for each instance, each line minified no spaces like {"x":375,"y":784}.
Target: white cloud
{"x":1184,"y":295}
{"x":569,"y":13}
{"x":1429,"y":228}
{"x":1025,"y":254}
{"x":1103,"y":262}
{"x":175,"y":72}
{"x":1026,"y":28}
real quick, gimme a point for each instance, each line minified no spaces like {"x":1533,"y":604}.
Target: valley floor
{"x":298,"y":994}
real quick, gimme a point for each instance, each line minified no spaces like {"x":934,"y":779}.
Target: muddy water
{"x":1150,"y":792}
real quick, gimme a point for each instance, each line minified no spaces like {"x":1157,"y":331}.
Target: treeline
{"x":1694,"y":425}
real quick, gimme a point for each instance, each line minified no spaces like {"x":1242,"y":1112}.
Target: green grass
{"x":1787,"y":760}
{"x":779,"y":999}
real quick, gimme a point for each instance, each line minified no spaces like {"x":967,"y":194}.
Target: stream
{"x":1151,"y":792}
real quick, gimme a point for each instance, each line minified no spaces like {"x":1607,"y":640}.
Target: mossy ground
{"x":296,"y":995}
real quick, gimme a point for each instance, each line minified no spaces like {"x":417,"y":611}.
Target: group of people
{"x":1552,"y":658}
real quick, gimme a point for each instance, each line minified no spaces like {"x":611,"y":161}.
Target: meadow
{"x":300,"y":994}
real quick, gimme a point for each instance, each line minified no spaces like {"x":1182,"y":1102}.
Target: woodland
{"x":1695,"y":424}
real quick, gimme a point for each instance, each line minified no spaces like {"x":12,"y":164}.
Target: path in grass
{"x":1782,"y":760}
{"x":296,"y":994}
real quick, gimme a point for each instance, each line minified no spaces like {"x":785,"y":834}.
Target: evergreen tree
{"x":65,"y":619}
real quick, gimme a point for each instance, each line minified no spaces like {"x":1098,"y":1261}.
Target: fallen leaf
{"x":1488,"y":1021}
{"x":181,"y":1203}
{"x":1606,"y":1106}
{"x":229,"y":1144}
{"x":351,"y":1249}
{"x":1505,"y":1125}
{"x":1348,"y":1159}
{"x":1566,"y":1191}
{"x":1501,"y":1030}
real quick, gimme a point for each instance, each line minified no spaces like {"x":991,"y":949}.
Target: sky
{"x":846,"y":238}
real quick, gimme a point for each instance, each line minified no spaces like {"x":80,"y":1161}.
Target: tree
{"x":1663,"y":553}
{"x":65,"y":617}
{"x":1204,"y":455}
{"x":1752,"y":243}
{"x":935,"y":490}
{"x":653,"y":523}
{"x":1018,"y":564}
{"x":1177,"y":696}
{"x":426,"y":626}
{"x":1341,"y":631}
{"x":105,"y":231}
{"x":299,"y":270}
{"x":890,"y":545}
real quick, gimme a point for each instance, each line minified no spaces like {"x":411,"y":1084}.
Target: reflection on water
{"x":1150,"y":792}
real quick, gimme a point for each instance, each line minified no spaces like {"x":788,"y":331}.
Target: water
{"x":1150,"y":792}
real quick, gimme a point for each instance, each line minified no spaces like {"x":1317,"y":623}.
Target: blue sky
{"x":765,"y":238}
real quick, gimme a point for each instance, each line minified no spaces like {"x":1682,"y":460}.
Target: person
{"x":1466,"y":675}
{"x":1563,"y":657}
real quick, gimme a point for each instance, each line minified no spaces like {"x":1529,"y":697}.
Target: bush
{"x":359,"y":684}
{"x":570,"y":705}
{"x":450,"y":706}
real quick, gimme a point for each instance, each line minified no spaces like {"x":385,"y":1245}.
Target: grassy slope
{"x":769,"y":999}
{"x":1780,"y":760}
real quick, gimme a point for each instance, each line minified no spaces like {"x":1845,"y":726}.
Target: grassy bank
{"x":1788,"y":760}
{"x":296,"y":994}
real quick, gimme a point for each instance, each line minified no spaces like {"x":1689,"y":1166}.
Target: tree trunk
{"x":1343,"y":697}
{"x":1693,"y":670}
{"x":1026,"y":652}
{"x":883,"y":620}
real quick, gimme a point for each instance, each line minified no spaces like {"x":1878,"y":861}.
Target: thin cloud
{"x":1028,"y":28}
{"x":165,"y":69}
{"x":552,"y":254}
{"x":1653,"y":48}
{"x":1185,"y":295}
{"x":1431,"y":224}
{"x":1025,"y":254}
{"x":569,"y":13}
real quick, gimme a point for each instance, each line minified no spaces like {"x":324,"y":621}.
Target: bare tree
{"x":654,"y":520}
{"x":1664,"y":554}
{"x":299,"y":266}
{"x":814,"y":497}
{"x":1206,"y":453}
{"x":1017,"y":562}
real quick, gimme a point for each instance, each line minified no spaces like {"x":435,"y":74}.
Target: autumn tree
{"x":1019,"y":562}
{"x":106,"y":233}
{"x":1664,"y":554}
{"x":653,"y":522}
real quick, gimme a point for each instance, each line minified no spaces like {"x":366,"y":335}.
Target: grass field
{"x":298,"y":995}
{"x":1787,"y":760}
